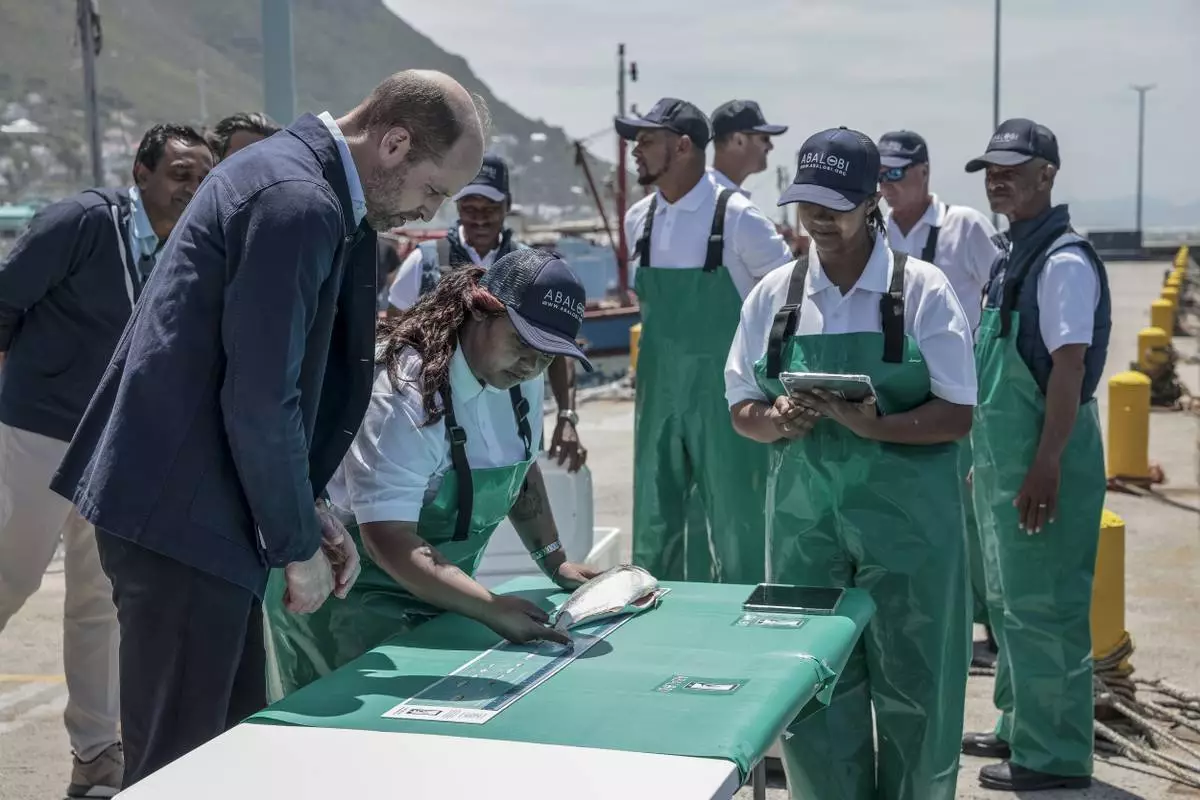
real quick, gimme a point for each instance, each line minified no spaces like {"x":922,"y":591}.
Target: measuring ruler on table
{"x":496,"y":678}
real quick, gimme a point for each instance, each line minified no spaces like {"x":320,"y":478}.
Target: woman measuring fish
{"x":860,"y":498}
{"x":445,"y":453}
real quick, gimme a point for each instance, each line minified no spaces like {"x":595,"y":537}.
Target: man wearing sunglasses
{"x":741,"y":143}
{"x":957,"y":240}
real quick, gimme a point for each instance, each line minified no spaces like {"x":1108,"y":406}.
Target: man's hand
{"x":520,"y":621}
{"x":571,"y":576}
{"x":308,"y":583}
{"x":1037,"y":502}
{"x":340,"y":550}
{"x":565,"y":447}
{"x":792,"y":420}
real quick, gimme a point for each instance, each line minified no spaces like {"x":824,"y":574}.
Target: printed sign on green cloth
{"x":609,"y":695}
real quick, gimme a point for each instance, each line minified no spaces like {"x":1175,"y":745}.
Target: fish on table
{"x":620,"y":590}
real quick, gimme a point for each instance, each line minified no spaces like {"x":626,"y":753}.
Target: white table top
{"x":254,"y":762}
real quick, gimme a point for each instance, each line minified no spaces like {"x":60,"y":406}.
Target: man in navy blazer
{"x":235,"y":391}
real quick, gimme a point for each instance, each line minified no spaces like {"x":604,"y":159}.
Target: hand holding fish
{"x":571,"y":576}
{"x":520,"y":621}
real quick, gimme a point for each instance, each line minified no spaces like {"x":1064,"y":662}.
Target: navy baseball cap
{"x":677,"y":116}
{"x":743,"y":116}
{"x":1015,"y":142}
{"x":544,"y":300}
{"x":837,"y":168}
{"x":901,"y":148}
{"x":491,"y":182}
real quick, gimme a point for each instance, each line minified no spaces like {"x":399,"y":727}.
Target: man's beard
{"x":382,"y":193}
{"x":651,"y":178}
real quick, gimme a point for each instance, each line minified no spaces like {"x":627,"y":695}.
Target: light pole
{"x":996,"y":89}
{"x":279,"y":92}
{"x":1141,"y":90}
{"x":89,"y":46}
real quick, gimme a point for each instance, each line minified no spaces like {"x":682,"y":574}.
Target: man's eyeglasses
{"x":893,"y":174}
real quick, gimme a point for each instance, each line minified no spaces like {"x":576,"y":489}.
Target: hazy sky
{"x":874,"y":65}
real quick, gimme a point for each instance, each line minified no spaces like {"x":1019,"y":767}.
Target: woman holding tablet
{"x":445,"y":453}
{"x":866,"y":494}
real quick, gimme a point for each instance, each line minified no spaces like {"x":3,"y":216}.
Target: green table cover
{"x":619,"y":694}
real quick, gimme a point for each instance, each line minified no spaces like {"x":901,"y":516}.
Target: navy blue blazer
{"x":244,"y":371}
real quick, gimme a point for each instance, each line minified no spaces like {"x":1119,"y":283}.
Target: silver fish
{"x":615,"y":591}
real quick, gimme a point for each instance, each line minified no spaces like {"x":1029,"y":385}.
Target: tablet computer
{"x":852,"y":388}
{"x":793,"y":599}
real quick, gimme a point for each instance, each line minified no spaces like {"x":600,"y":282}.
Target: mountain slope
{"x":154,"y":48}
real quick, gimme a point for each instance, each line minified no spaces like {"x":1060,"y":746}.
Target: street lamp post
{"x":279,"y":92}
{"x":1141,"y":90}
{"x":996,"y":88}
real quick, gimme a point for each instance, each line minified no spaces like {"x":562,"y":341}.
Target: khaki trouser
{"x":32,"y":519}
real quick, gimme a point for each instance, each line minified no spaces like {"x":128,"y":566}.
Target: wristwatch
{"x":569,"y":415}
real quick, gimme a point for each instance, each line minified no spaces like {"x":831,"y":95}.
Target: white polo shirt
{"x":932,"y":316}
{"x":394,"y":465}
{"x":680,"y":235}
{"x":406,"y":286}
{"x":724,"y":181}
{"x":1068,"y":294}
{"x":965,"y":251}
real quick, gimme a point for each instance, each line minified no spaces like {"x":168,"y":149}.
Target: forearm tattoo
{"x":530,"y":503}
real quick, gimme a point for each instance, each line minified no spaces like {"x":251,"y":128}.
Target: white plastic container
{"x":571,"y":500}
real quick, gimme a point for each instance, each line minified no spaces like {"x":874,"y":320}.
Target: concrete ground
{"x":1163,"y":555}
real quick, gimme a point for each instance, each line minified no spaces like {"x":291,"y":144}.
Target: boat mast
{"x":622,"y":244}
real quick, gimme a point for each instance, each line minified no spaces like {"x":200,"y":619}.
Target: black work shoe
{"x":1010,"y":777}
{"x":985,"y":745}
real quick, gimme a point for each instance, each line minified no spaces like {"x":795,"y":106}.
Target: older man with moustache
{"x":203,"y":456}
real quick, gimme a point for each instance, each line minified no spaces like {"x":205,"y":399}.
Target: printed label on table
{"x":496,"y":678}
{"x":757,"y":620}
{"x":685,"y":683}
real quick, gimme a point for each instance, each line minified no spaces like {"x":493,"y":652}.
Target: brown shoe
{"x":100,"y":777}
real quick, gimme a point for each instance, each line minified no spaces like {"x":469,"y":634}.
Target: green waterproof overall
{"x":1039,"y":587}
{"x":978,"y":596}
{"x":458,"y":521}
{"x":697,"y":484}
{"x":888,"y":518}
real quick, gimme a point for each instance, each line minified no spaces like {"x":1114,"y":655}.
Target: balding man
{"x":234,"y":393}
{"x":741,"y":142}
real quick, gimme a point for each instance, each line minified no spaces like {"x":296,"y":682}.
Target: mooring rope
{"x":1143,"y":725}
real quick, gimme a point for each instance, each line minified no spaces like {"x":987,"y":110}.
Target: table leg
{"x":759,"y":780}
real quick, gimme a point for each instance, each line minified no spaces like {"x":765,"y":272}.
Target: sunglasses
{"x":893,"y":174}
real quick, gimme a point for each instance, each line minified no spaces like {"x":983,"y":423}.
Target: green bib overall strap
{"x":931,"y":241}
{"x":697,"y":484}
{"x":891,"y":315}
{"x":458,"y":454}
{"x":716,"y":237}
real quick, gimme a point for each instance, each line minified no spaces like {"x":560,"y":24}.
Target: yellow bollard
{"x":1162,"y":316}
{"x":635,"y":336}
{"x":1171,"y":294}
{"x":1108,"y":587}
{"x":1129,"y":424}
{"x":1174,"y":281}
{"x":1152,"y":350}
